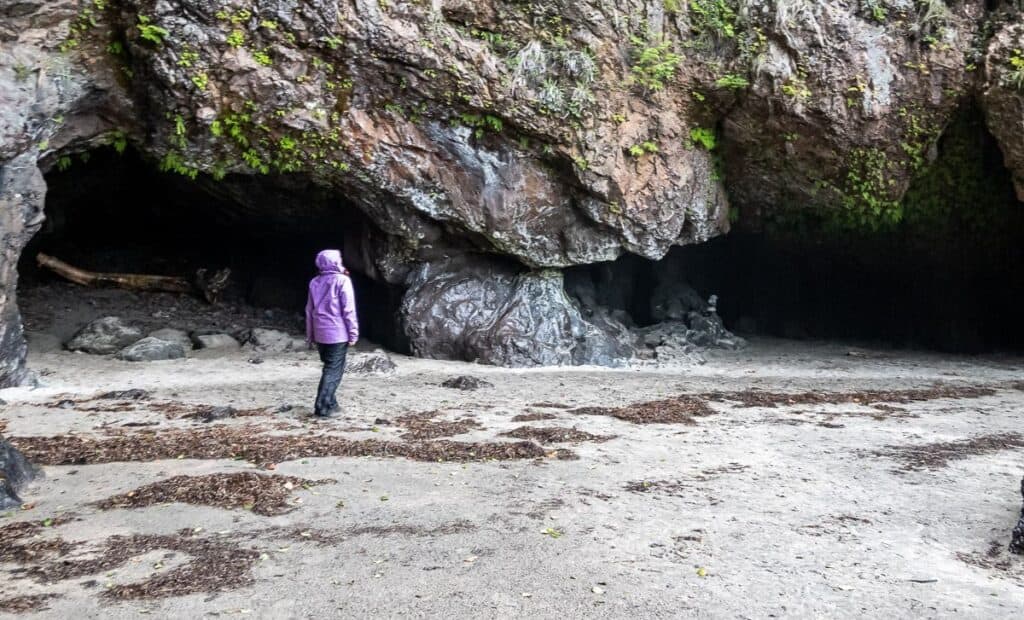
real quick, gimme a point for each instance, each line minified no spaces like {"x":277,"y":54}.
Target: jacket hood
{"x":329,"y":261}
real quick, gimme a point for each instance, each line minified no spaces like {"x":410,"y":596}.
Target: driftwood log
{"x":209,"y":285}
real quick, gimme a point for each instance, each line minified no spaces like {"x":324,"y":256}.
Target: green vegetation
{"x":86,"y":19}
{"x":716,"y":18}
{"x":332,"y":42}
{"x":236,"y":38}
{"x":732,"y":81}
{"x":149,"y":31}
{"x":187,"y":57}
{"x":796,"y":88}
{"x":201,"y":80}
{"x":262,"y":57}
{"x":867,"y":198}
{"x":703,"y":137}
{"x":654,"y":63}
{"x":877,"y":10}
{"x":118,"y":140}
{"x":638,"y":150}
{"x":481,"y":123}
{"x":1015,"y":76}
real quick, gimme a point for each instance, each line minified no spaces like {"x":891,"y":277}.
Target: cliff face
{"x":509,"y":136}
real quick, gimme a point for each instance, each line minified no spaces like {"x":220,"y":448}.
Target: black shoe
{"x":330,"y":413}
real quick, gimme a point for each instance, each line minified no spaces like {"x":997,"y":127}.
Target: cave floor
{"x":893,"y":495}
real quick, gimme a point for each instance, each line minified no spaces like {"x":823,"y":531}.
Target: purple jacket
{"x":331,"y":307}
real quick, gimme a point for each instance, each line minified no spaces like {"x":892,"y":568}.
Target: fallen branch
{"x":209,"y":286}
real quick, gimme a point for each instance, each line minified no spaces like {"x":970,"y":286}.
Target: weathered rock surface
{"x":178,"y":336}
{"x":1003,"y":94}
{"x":15,"y":473}
{"x":151,"y":349}
{"x":274,"y":341}
{"x":494,"y":314}
{"x":376,"y":362}
{"x":215,"y":341}
{"x":465,"y":383}
{"x":521,"y":136}
{"x":104,"y":336}
{"x":1017,"y":541}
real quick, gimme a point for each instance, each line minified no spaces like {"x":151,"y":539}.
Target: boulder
{"x":274,"y":341}
{"x":1017,"y":541}
{"x":465,"y":382}
{"x":150,"y":350}
{"x":479,"y":310}
{"x":214,"y":341}
{"x":174,"y":335}
{"x":377,"y":362}
{"x":104,"y":336}
{"x":15,"y":473}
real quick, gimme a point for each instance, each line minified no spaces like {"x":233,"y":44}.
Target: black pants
{"x":333,"y":357}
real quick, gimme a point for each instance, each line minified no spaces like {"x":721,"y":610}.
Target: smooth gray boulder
{"x":274,"y":341}
{"x":104,"y":336}
{"x":174,"y":335}
{"x":215,"y":341}
{"x":150,"y":350}
{"x":15,"y":473}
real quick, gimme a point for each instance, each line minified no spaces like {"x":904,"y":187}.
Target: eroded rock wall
{"x":537,"y":135}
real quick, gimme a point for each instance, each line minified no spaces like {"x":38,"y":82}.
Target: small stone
{"x":275,"y":341}
{"x":104,"y":336}
{"x":151,"y":349}
{"x":377,"y":362}
{"x":217,"y":413}
{"x":133,"y":394}
{"x":465,"y":382}
{"x":214,"y":341}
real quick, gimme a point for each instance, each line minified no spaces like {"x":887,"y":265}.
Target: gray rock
{"x":377,"y":362}
{"x":217,"y":413}
{"x":15,"y":473}
{"x":174,"y":335}
{"x":1017,"y":541}
{"x":465,"y":382}
{"x":477,"y":310}
{"x":104,"y":336}
{"x":215,"y":341}
{"x":274,"y":341}
{"x":132,"y":394}
{"x":150,"y":350}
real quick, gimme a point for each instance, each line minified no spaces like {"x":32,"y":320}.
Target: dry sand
{"x":807,"y":509}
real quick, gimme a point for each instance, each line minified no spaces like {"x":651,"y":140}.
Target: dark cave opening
{"x":949,"y":277}
{"x":111,"y":212}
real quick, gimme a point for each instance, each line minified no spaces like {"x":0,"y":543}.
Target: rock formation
{"x":490,"y":143}
{"x":1017,"y":542}
{"x":15,"y":473}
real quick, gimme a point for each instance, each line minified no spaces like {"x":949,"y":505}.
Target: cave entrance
{"x":111,"y":212}
{"x":949,"y":277}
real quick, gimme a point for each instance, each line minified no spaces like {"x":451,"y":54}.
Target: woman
{"x":332,"y":324}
